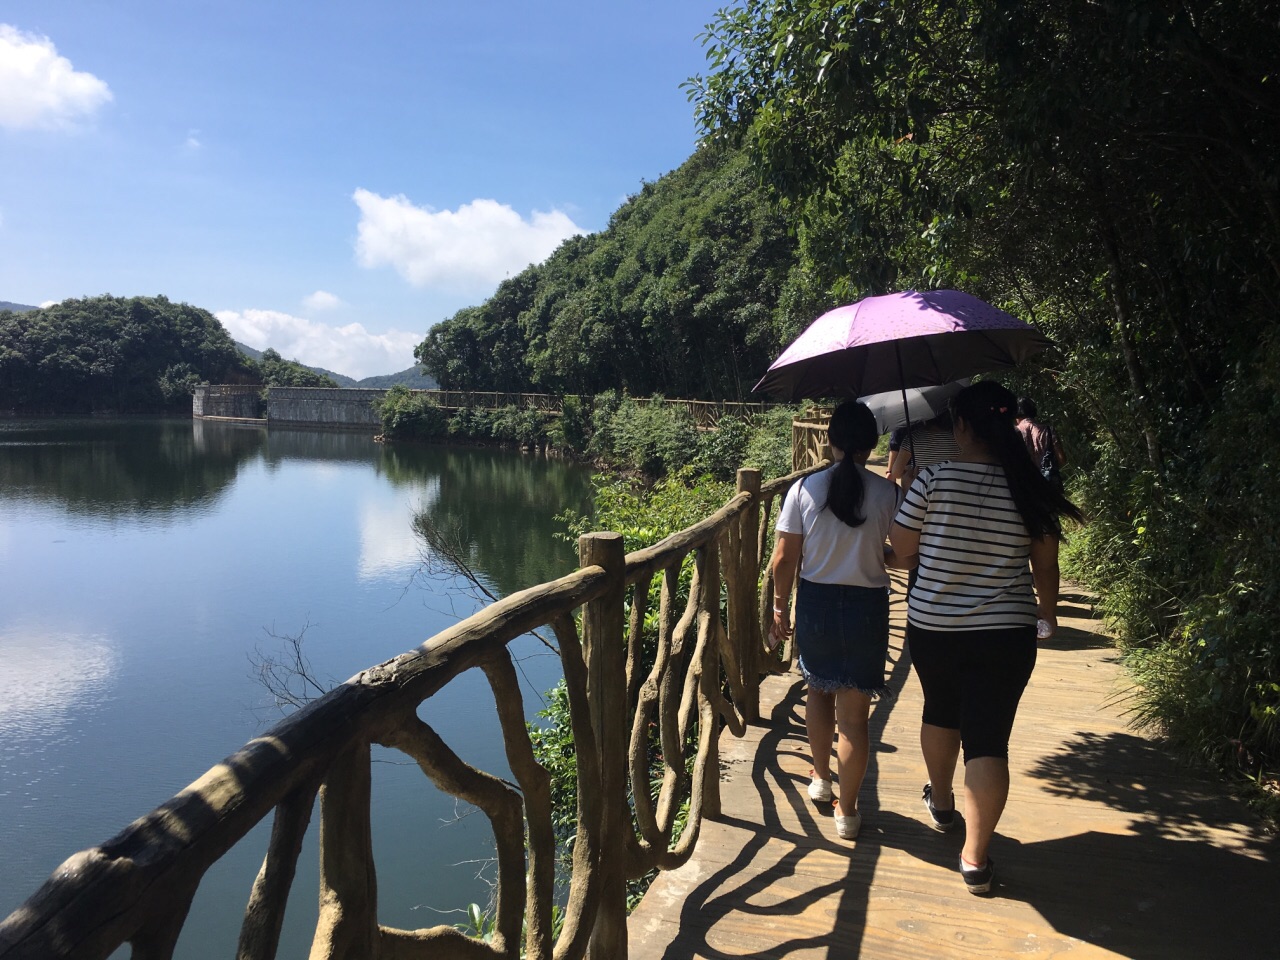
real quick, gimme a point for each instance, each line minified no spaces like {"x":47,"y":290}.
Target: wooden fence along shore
{"x":138,"y":887}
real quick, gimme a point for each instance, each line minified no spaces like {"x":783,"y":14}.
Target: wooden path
{"x":1108,"y":848}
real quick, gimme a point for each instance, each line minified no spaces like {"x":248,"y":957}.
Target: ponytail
{"x":990,"y":411}
{"x":852,"y":429}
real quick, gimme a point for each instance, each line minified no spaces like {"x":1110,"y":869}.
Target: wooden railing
{"x":705,"y":413}
{"x":138,"y":887}
{"x":809,"y":445}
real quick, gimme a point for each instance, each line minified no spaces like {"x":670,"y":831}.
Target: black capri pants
{"x":972,"y":682}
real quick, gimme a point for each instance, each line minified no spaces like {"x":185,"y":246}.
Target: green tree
{"x":679,"y":295}
{"x":276,"y":371}
{"x":140,"y":354}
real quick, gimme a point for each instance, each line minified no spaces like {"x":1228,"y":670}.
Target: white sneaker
{"x":819,"y":789}
{"x":847,"y":827}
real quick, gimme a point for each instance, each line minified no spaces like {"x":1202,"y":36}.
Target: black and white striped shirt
{"x":975,"y":551}
{"x":930,"y":445}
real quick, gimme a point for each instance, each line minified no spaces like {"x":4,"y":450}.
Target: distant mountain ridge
{"x":413,"y":378}
{"x":16,"y":307}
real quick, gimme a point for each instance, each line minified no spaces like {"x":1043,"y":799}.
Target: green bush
{"x":603,"y":409}
{"x":653,"y":437}
{"x":571,"y":431}
{"x":410,"y":415}
{"x":722,"y":450}
{"x":769,"y":448}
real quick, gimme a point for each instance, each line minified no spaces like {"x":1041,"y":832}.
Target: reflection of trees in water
{"x":329,"y":445}
{"x":501,"y":506}
{"x":121,"y":467}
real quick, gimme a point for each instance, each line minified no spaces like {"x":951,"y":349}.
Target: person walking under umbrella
{"x":974,"y":523}
{"x":832,"y":529}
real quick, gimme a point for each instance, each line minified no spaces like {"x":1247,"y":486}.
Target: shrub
{"x":722,"y":450}
{"x":410,"y":415}
{"x":571,"y":432}
{"x":769,"y":449}
{"x":653,"y":437}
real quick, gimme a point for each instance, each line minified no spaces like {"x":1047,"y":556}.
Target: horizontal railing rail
{"x":698,"y":673}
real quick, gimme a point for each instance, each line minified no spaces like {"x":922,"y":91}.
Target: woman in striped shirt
{"x":985,"y":528}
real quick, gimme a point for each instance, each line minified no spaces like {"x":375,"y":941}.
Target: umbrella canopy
{"x":922,"y":403}
{"x":900,"y":340}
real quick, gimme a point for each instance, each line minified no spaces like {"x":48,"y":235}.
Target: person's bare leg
{"x":853,"y":749}
{"x":820,"y":724}
{"x":941,"y":749}
{"x":986,"y":788}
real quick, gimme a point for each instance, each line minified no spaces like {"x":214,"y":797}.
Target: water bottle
{"x":1042,"y":629}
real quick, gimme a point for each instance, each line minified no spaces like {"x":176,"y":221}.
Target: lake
{"x":147,"y":565}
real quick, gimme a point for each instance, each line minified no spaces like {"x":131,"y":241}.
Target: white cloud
{"x":351,"y":350}
{"x":471,"y":248}
{"x":49,"y":303}
{"x":193,"y":140}
{"x":321,"y":300}
{"x":41,"y":90}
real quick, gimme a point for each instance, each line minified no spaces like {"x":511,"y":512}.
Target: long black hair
{"x":852,"y":429}
{"x":990,"y":411}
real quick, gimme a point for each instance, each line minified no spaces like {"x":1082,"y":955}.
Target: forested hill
{"x":691,"y":292}
{"x":140,"y":354}
{"x":124,"y":355}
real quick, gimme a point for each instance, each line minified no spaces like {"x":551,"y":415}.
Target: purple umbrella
{"x":898,"y":341}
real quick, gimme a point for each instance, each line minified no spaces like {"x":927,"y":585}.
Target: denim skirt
{"x":842,"y":636}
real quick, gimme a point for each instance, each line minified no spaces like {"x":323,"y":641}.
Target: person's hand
{"x":1046,"y":625}
{"x":780,"y":628}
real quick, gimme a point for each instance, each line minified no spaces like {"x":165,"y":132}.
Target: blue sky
{"x":329,"y":179}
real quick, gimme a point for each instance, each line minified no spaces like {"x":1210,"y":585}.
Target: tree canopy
{"x":689,"y":292}
{"x":140,"y":354}
{"x":275,"y":371}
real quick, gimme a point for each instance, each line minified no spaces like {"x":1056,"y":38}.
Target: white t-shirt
{"x":974,"y":550}
{"x":833,"y":551}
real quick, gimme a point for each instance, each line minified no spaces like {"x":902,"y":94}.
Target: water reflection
{"x":109,"y":469}
{"x":48,"y":675}
{"x":388,"y":541}
{"x":499,"y":507}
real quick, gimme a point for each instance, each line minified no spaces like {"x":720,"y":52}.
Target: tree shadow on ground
{"x":1168,"y":887}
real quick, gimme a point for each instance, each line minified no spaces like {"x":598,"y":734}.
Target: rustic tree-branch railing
{"x":705,"y":673}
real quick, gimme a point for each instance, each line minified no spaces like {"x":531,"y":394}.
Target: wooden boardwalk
{"x":1108,"y":848}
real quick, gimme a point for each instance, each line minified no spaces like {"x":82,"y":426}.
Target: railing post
{"x":744,"y":623}
{"x":605,"y":649}
{"x":348,"y":923}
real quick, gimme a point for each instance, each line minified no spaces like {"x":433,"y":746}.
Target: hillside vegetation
{"x":124,"y":355}
{"x":689,"y":292}
{"x":134,"y":355}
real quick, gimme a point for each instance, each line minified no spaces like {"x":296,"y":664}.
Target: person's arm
{"x":899,"y":466}
{"x":904,"y":547}
{"x":1058,"y":453}
{"x":785,"y":563}
{"x":1044,"y":574}
{"x":888,"y":470}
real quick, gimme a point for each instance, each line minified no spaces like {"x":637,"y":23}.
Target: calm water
{"x":143,"y":563}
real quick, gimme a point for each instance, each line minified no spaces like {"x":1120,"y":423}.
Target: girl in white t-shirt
{"x":832,"y":527}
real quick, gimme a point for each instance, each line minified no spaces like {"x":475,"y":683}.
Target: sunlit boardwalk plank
{"x":1108,"y":847}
